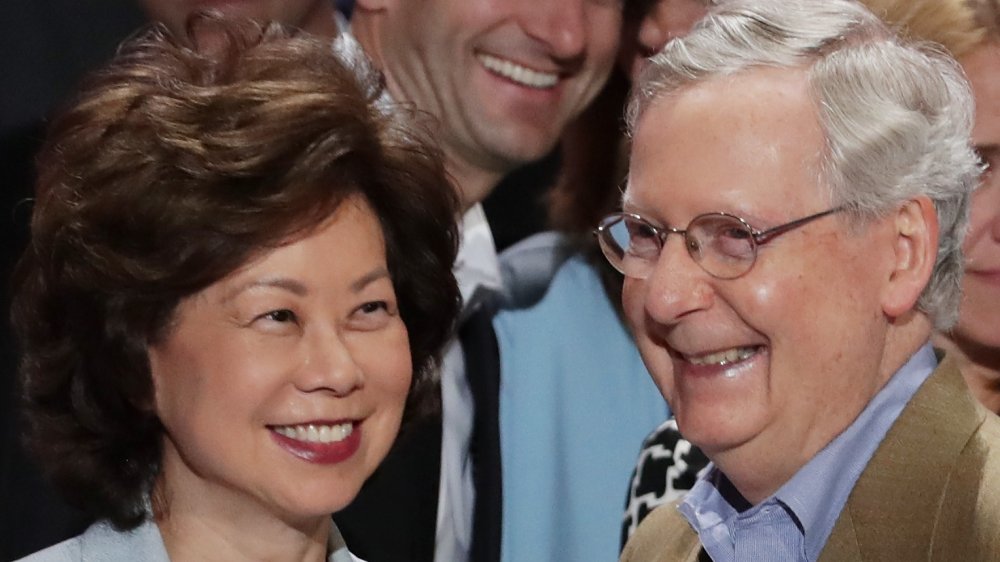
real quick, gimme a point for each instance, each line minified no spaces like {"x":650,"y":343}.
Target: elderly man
{"x":798,"y":190}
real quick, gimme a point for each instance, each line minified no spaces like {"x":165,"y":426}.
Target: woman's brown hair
{"x":172,"y":168}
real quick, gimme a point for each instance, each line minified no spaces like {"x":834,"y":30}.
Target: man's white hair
{"x":897,"y":116}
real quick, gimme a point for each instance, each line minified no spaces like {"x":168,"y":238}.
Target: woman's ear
{"x":915,"y":228}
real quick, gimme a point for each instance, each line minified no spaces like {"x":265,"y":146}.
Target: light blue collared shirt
{"x":795,"y":523}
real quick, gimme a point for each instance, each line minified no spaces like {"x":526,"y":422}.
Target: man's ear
{"x":915,"y":230}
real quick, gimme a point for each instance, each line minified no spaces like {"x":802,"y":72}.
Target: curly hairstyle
{"x":173,"y":168}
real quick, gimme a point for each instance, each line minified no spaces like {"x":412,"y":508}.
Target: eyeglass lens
{"x":722,"y":245}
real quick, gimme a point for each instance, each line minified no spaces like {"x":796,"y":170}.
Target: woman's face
{"x":282,"y":385}
{"x":980,"y":312}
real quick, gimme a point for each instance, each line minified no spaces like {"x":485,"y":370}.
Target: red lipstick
{"x":321,"y":453}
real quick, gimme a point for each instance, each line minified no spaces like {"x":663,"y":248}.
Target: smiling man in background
{"x":798,"y":191}
{"x":503,"y":78}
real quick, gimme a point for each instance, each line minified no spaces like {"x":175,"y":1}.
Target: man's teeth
{"x":316,"y":433}
{"x":517,"y":73}
{"x":724,"y":358}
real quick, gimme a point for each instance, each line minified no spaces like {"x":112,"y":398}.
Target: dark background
{"x":45,"y":48}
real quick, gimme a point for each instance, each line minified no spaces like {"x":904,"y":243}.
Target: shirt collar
{"x":477,"y":268}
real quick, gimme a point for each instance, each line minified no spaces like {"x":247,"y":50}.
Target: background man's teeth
{"x":519,"y":73}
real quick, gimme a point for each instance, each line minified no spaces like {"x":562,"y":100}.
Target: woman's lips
{"x":319,"y":442}
{"x":989,"y":276}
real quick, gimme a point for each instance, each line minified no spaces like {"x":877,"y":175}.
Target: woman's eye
{"x":373,"y":315}
{"x":374,"y":306}
{"x":283,"y":315}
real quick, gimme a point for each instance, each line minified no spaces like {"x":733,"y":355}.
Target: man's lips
{"x":722,"y":358}
{"x":517,"y":73}
{"x":319,"y":442}
{"x":728,"y":362}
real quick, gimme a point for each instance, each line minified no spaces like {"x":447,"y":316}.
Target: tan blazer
{"x":931,"y":491}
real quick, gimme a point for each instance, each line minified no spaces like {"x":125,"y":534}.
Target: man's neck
{"x":473,"y":184}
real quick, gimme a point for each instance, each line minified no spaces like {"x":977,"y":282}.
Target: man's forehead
{"x":759,"y":122}
{"x":753,"y":90}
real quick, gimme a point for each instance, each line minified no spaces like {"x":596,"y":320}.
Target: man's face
{"x":503,"y":76}
{"x":771,"y":365}
{"x":315,"y":16}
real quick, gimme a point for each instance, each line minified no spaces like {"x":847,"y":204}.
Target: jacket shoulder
{"x":970,"y":510}
{"x":663,"y":536}
{"x":66,"y":551}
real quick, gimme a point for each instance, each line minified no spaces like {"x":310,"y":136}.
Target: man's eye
{"x":734,"y":233}
{"x":640,"y":230}
{"x":988,"y":159}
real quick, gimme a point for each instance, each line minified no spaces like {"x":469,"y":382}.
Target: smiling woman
{"x":238,"y":282}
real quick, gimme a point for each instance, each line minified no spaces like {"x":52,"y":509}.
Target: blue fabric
{"x":795,"y":523}
{"x":575,"y":404}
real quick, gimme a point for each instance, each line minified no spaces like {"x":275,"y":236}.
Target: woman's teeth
{"x":517,"y":73}
{"x":316,"y":433}
{"x":723,"y":358}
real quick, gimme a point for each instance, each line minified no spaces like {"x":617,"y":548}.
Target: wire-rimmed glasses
{"x":724,"y":245}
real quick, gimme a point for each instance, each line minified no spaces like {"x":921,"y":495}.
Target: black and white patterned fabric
{"x":667,"y":468}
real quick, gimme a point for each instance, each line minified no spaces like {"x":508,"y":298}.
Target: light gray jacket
{"x":103,"y":543}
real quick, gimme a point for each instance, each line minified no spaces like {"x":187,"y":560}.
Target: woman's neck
{"x":200,"y":522}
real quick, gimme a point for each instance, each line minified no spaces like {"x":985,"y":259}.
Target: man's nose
{"x":676,"y":285}
{"x":559,"y":24}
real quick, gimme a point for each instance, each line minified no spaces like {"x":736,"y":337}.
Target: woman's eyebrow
{"x":379,"y":272}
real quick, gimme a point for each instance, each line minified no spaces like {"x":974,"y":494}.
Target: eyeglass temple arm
{"x":765,"y":235}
